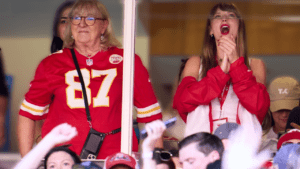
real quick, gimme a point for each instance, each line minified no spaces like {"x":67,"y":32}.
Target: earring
{"x":72,"y":37}
{"x":212,"y":35}
{"x":102,"y":37}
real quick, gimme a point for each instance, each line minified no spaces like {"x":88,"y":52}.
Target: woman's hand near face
{"x":225,"y":65}
{"x":228,"y":46}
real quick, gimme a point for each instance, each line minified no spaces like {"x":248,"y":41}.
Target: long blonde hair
{"x":209,"y":49}
{"x":95,"y":6}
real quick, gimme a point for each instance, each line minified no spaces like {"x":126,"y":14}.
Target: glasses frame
{"x":85,"y":17}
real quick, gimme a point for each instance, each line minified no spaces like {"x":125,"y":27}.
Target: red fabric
{"x":267,"y":164}
{"x":288,"y":136}
{"x":252,"y":95}
{"x":56,"y":83}
{"x":118,"y":159}
{"x":211,"y":125}
{"x":191,"y":93}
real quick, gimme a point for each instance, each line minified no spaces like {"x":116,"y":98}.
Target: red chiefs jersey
{"x":55,"y":94}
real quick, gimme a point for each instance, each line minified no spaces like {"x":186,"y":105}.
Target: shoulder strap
{"x":83,"y":88}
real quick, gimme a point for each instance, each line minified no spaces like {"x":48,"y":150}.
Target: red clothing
{"x":56,"y":85}
{"x":252,"y":95}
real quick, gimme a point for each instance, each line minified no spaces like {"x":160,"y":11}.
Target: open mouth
{"x":224,"y":29}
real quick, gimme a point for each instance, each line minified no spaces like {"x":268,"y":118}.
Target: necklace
{"x":89,"y":61}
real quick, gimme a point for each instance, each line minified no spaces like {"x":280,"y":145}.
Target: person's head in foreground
{"x":90,"y":25}
{"x":288,"y":157}
{"x":223,"y":132}
{"x":60,"y":158}
{"x":120,"y":161}
{"x":283,"y":99}
{"x":291,"y":137}
{"x":198,"y":150}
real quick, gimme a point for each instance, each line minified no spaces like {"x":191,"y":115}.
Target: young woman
{"x":223,"y":84}
{"x":60,"y":23}
{"x":60,"y":157}
{"x":284,"y":99}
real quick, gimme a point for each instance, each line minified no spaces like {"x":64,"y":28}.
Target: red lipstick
{"x":224,"y":29}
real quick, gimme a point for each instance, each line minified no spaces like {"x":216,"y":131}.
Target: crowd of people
{"x":232,"y":119}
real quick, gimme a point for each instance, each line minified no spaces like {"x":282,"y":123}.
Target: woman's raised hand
{"x":228,"y":47}
{"x":225,"y":65}
{"x":62,"y":133}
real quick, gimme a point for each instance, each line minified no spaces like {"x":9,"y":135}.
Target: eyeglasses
{"x":219,"y":17}
{"x":89,"y":20}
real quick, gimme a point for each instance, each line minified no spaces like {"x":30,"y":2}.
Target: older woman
{"x":56,"y":93}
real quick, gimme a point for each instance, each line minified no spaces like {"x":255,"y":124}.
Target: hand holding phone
{"x":168,"y":123}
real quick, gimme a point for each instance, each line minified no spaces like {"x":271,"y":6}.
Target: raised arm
{"x":60,"y":134}
{"x":250,"y":89}
{"x":192,"y":93}
{"x":154,"y":130}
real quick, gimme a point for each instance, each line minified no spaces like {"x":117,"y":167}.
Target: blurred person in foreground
{"x":56,"y":157}
{"x":195,"y":151}
{"x":287,"y":157}
{"x":199,"y":150}
{"x":153,"y":158}
{"x":222,"y":84}
{"x":284,"y":97}
{"x":56,"y":94}
{"x":243,"y":145}
{"x":224,"y":131}
{"x":120,"y":161}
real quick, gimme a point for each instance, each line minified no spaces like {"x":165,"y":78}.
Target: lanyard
{"x":83,"y":88}
{"x":223,"y":95}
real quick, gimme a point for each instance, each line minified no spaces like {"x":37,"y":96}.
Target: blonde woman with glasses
{"x":56,"y":93}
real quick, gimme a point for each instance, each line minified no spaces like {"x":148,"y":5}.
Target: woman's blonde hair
{"x":209,"y":49}
{"x":96,"y":7}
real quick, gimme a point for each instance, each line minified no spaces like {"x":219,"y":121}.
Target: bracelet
{"x":147,"y":155}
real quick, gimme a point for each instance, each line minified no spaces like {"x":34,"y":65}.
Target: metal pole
{"x":128,"y":74}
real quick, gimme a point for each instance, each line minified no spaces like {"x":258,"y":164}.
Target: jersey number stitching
{"x":101,"y":100}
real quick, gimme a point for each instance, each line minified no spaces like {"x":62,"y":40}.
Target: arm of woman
{"x":34,"y":107}
{"x":259,"y":70}
{"x":192,"y":93}
{"x":25,"y":134}
{"x":251,"y":92}
{"x":145,"y":101}
{"x":60,"y":134}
